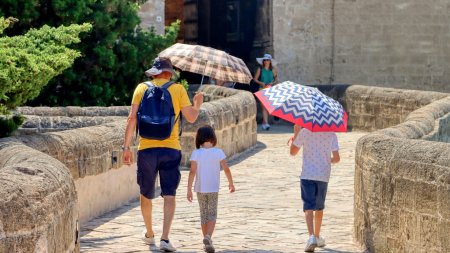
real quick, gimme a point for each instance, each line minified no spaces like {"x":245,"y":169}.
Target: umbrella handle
{"x":202,"y":80}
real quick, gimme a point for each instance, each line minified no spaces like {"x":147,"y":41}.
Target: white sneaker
{"x":311,"y":244}
{"x":320,"y":242}
{"x":209,"y":248}
{"x":265,"y":127}
{"x":166,"y":246}
{"x":147,"y":240}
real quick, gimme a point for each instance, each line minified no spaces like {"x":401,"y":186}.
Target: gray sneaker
{"x":166,"y":247}
{"x":311,"y":244}
{"x":209,"y":248}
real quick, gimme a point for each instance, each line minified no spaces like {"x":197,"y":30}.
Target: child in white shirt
{"x":206,"y":161}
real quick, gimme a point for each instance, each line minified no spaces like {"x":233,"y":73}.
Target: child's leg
{"x":308,"y":192}
{"x":212,"y":212}
{"x":318,"y":215}
{"x":320,"y":205}
{"x":309,"y":217}
{"x":202,"y":202}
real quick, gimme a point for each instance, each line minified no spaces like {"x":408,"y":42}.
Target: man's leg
{"x":169,"y":175}
{"x":169,"y":212}
{"x":309,"y":217}
{"x":146,"y":209}
{"x":318,"y":215}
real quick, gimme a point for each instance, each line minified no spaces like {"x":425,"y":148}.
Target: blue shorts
{"x":313,"y":194}
{"x":166,"y":162}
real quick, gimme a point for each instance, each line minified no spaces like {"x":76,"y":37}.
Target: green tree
{"x":115,"y":54}
{"x":28,"y":62}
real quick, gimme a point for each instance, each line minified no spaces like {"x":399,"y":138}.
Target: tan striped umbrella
{"x":208,"y":62}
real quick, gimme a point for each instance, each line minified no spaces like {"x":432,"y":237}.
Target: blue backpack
{"x":156,"y":116}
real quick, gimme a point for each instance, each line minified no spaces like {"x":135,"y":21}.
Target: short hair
{"x":205,"y":134}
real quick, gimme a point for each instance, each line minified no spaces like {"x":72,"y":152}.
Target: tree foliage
{"x":28,"y":62}
{"x":115,"y":53}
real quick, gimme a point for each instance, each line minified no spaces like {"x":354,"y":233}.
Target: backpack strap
{"x":180,"y":115}
{"x":167,"y":85}
{"x":149,"y":84}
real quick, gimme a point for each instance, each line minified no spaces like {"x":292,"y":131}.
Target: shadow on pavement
{"x":247,"y":153}
{"x":98,"y":221}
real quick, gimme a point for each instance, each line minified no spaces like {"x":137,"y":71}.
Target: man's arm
{"x":131,"y":125}
{"x":191,"y":112}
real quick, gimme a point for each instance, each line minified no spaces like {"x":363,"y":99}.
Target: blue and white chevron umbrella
{"x":305,"y":106}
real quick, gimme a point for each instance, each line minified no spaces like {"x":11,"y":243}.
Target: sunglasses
{"x":266,"y":60}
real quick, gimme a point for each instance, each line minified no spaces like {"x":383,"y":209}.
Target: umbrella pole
{"x":202,"y":80}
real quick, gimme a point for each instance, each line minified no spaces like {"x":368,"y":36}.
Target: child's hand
{"x":189,"y":195}
{"x":231,"y":187}
{"x":290,"y":141}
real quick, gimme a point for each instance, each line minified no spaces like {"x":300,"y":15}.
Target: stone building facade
{"x":152,"y":15}
{"x":401,"y":44}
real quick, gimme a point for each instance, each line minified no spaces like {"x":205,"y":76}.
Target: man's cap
{"x":160,"y":65}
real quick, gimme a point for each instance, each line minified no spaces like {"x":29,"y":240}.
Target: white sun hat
{"x":266,"y":57}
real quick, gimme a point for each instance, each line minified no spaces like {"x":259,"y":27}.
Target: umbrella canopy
{"x":208,"y":62}
{"x":304,"y":106}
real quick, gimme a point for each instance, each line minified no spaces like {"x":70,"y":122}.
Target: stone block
{"x":394,"y":223}
{"x":443,"y":201}
{"x":426,"y":199}
{"x":428,"y":231}
{"x":409,"y":227}
{"x":443,"y":232}
{"x":404,"y":193}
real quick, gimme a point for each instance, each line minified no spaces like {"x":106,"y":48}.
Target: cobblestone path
{"x":264,"y":215}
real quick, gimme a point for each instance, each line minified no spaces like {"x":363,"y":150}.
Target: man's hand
{"x":198,"y":100}
{"x":189,"y":195}
{"x":127,"y":157}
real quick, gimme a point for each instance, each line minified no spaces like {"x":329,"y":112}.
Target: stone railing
{"x":42,"y":162}
{"x":402,"y":178}
{"x":38,"y":201}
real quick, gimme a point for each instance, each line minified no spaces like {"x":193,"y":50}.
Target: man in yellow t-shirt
{"x":159,"y":156}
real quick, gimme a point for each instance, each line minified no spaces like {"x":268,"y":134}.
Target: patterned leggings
{"x":208,"y":206}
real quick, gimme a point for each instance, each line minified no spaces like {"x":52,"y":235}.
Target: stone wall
{"x":398,"y":44}
{"x":402,"y":180}
{"x":372,"y":108}
{"x":38,"y":208}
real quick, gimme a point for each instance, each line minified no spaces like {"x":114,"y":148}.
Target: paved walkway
{"x":264,"y":215}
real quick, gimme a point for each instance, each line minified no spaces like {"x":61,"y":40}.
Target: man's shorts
{"x":166,"y":162}
{"x":313,"y":194}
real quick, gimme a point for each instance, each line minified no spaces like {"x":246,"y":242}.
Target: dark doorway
{"x":228,"y":25}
